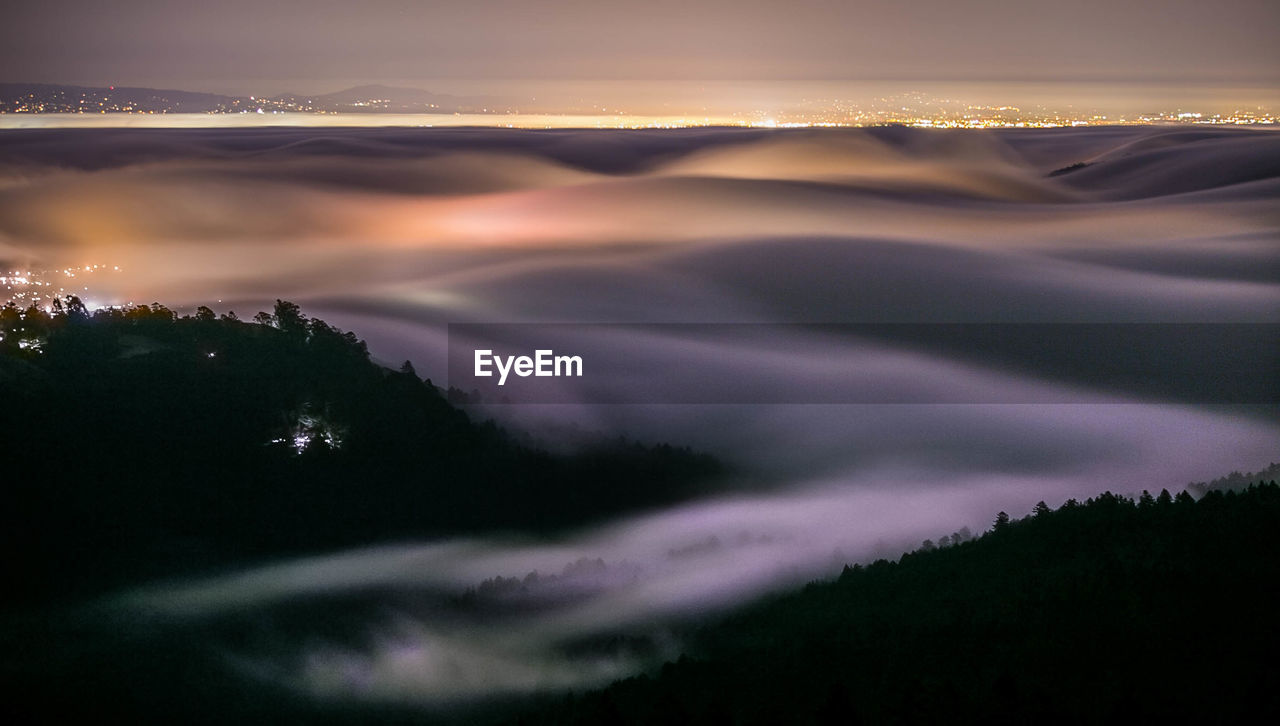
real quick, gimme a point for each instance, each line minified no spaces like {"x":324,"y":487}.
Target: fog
{"x":396,"y":233}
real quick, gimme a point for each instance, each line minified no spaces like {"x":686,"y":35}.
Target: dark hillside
{"x":1111,"y":611}
{"x":139,"y":444}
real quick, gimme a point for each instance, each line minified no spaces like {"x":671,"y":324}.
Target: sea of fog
{"x":396,"y":233}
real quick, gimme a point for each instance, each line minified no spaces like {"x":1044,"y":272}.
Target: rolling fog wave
{"x":396,"y":233}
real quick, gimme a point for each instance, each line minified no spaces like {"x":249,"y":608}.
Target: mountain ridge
{"x":22,"y":97}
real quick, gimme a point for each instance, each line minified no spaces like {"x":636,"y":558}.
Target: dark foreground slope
{"x":139,"y":444}
{"x":1111,"y":611}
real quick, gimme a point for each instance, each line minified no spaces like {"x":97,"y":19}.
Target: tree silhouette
{"x":288,"y":318}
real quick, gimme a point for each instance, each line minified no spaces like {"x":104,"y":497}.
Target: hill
{"x":59,"y":98}
{"x":142,"y":444}
{"x":1110,"y":611}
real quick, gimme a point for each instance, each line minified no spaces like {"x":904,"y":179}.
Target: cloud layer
{"x":395,"y":233}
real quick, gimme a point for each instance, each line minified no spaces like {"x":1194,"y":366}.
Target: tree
{"x":289,"y":318}
{"x":160,"y":312}
{"x":10,"y":322}
{"x":205,"y":314}
{"x":1002,"y":521}
{"x":138,"y":312}
{"x":76,"y":310}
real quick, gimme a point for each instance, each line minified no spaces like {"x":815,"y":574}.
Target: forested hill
{"x":1161,"y":610}
{"x":139,"y":444}
{"x":1235,"y":481}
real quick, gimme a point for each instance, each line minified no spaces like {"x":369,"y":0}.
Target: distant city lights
{"x":63,"y":107}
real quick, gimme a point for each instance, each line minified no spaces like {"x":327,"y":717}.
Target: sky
{"x":315,"y":46}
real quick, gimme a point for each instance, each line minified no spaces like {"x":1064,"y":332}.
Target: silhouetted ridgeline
{"x":139,"y":444}
{"x":1235,"y":481}
{"x":1111,"y":611}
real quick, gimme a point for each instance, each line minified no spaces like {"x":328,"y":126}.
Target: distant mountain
{"x":56,"y":98}
{"x":395,"y":99}
{"x":388,"y":94}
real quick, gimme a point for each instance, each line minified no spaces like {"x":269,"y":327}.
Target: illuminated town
{"x":377,"y":106}
{"x":39,"y":288}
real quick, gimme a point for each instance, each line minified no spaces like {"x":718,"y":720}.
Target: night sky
{"x":314,"y":46}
